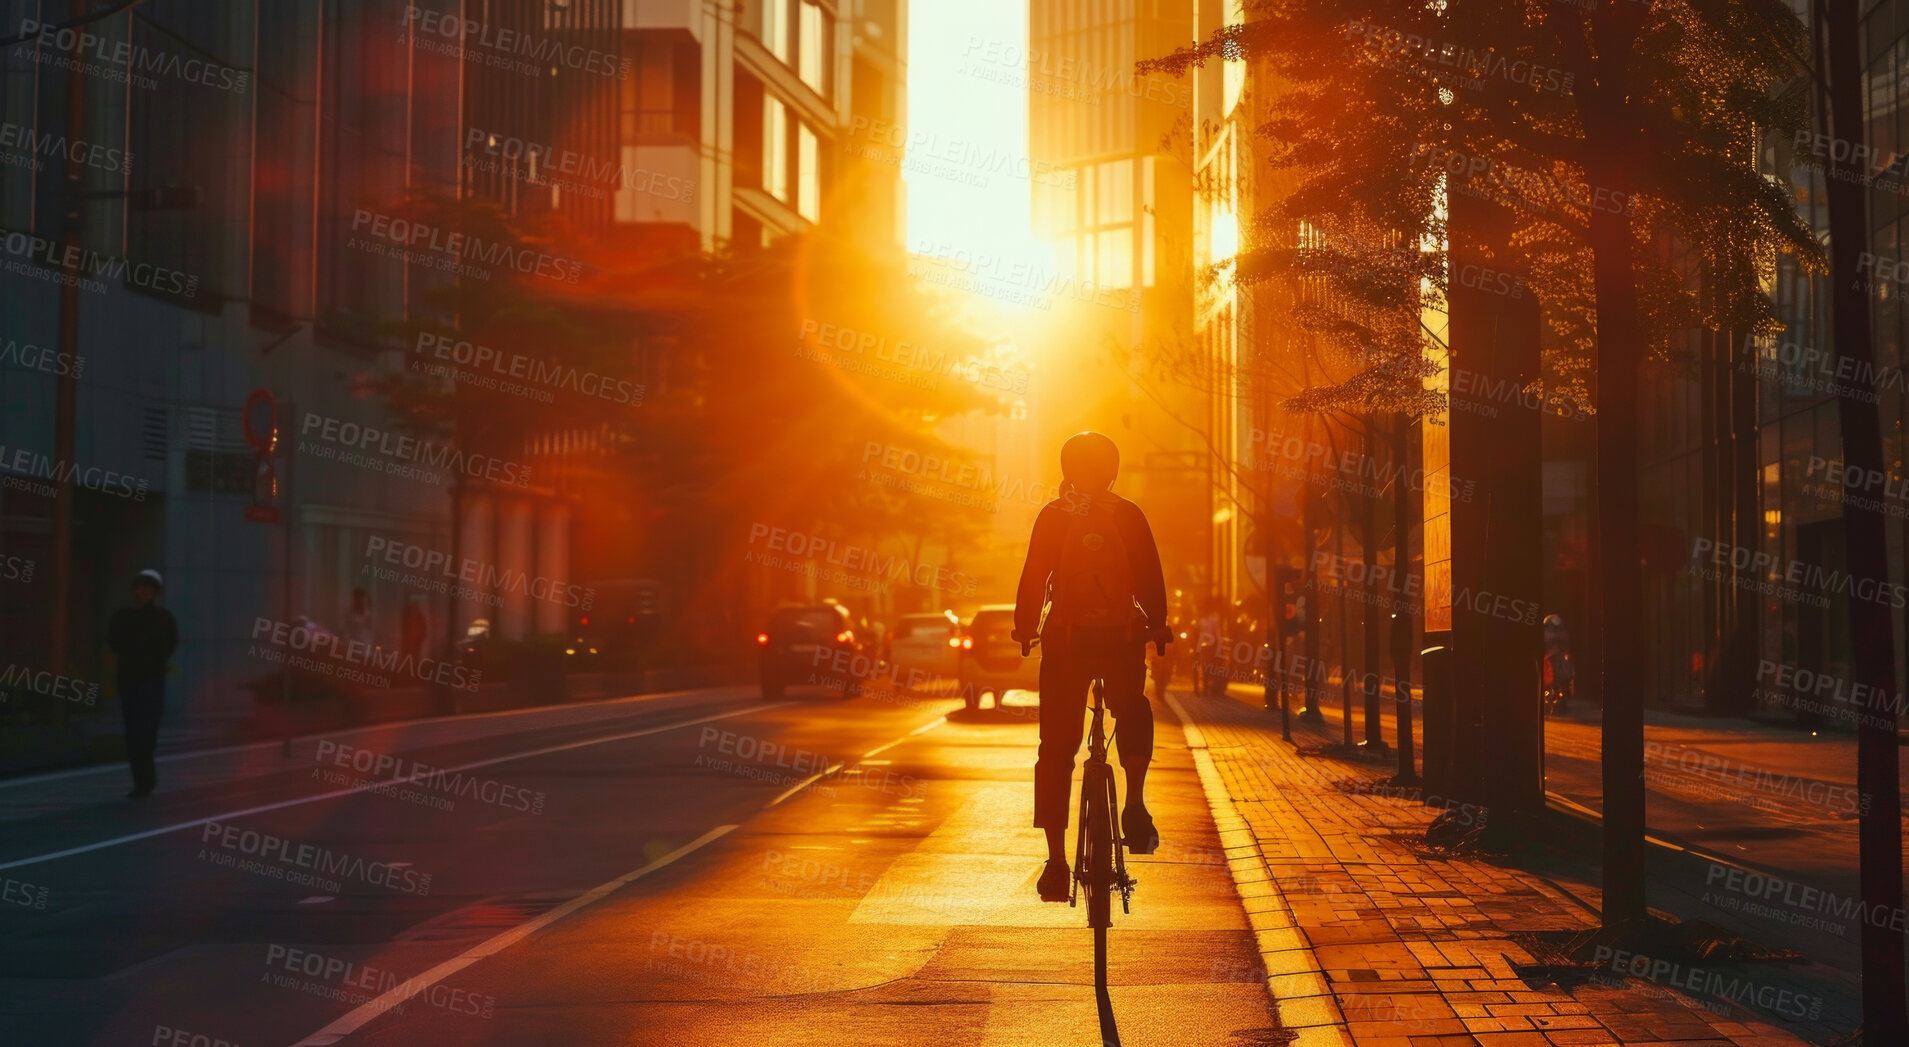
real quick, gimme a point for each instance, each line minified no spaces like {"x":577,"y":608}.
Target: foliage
{"x":1422,"y":100}
{"x":739,"y":419}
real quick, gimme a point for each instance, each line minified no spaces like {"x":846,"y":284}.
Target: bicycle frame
{"x":1097,"y":819}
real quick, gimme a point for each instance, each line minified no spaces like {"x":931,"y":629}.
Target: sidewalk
{"x":1369,"y":937}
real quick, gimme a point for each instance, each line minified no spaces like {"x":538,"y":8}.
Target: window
{"x":1103,"y":225}
{"x":808,"y":175}
{"x":776,"y":28}
{"x":663,"y":93}
{"x":930,"y":627}
{"x":805,"y":624}
{"x":649,"y":91}
{"x":816,"y":51}
{"x":775,"y":149}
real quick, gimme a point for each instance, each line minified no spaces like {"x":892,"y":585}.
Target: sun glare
{"x":967,"y":157}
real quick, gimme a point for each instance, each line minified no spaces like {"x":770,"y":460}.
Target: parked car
{"x":614,"y":623}
{"x":928,"y":643}
{"x":802,"y":642}
{"x":991,"y":661}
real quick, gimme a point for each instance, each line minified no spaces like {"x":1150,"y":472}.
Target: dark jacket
{"x":1044,"y":556}
{"x":143,"y":639}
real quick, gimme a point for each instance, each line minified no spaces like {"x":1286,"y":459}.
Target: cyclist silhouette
{"x":1093,"y":568}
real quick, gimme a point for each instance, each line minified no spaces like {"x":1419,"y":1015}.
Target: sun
{"x":966,"y":167}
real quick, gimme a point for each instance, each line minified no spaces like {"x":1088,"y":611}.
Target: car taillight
{"x":844,"y":636}
{"x":954,"y":641}
{"x":585,"y":621}
{"x":967,"y":643}
{"x":762,"y":639}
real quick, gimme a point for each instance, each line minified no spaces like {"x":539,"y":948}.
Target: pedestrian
{"x":358,"y":631}
{"x":142,"y":638}
{"x":413,"y":627}
{"x":1211,"y":671}
{"x":1558,"y":674}
{"x":1093,"y":567}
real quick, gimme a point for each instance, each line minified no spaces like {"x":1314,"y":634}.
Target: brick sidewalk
{"x":1369,"y":937}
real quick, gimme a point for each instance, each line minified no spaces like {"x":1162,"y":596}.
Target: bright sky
{"x":967,"y":108}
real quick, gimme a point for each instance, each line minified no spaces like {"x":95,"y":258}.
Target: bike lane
{"x":892,"y":903}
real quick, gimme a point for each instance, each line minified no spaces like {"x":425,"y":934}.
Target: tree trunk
{"x":1609,"y":155}
{"x":1625,"y":639}
{"x":1714,"y":511}
{"x":1311,"y":616}
{"x":1746,"y":609}
{"x":1885,"y":1019}
{"x":1379,"y":594}
{"x":1345,"y":641}
{"x":1403,"y":506}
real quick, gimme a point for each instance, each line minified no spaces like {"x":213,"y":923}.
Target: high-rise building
{"x":736,"y":117}
{"x":1114,"y":147}
{"x":253,"y":222}
{"x":1221,"y":150}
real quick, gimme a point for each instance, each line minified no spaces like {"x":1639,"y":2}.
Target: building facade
{"x":253,"y":177}
{"x":1118,"y":207}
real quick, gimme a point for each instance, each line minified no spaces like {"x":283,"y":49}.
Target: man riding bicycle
{"x":1093,"y":567}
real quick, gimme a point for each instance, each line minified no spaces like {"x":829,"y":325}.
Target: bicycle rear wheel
{"x":1100,"y":840}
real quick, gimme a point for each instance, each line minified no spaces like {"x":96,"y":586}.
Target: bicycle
{"x":1555,"y":669}
{"x":1100,"y":869}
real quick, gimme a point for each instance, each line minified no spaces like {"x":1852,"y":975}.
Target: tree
{"x":1885,"y":1020}
{"x":1644,"y":139}
{"x":763,"y":377}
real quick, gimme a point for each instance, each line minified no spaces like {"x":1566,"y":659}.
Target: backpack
{"x":1093,"y":585}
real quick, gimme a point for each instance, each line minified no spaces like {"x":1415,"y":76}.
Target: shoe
{"x":139,"y":794}
{"x":1136,"y":828}
{"x":1056,"y":882}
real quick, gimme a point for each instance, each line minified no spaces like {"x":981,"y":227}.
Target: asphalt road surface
{"x":703,"y":868}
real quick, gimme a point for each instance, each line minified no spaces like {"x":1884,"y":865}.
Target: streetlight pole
{"x":66,"y":389}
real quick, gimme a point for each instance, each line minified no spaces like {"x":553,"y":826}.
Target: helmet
{"x":151,"y":576}
{"x":1090,"y":461}
{"x":1553,"y":621}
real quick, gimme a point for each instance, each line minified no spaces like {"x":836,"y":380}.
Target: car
{"x":927,"y":643}
{"x":991,"y":659}
{"x":804,"y":644}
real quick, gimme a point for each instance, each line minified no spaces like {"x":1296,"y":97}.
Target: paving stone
{"x":1369,"y":939}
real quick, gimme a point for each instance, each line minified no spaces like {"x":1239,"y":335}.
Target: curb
{"x":1303,"y":1001}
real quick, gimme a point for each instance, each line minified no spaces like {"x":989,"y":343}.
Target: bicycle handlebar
{"x":1027,"y":647}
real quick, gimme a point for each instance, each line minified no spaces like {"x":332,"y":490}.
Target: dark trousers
{"x":1070,"y":661}
{"x":142,"y":702}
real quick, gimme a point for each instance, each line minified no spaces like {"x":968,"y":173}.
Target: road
{"x":704,"y":867}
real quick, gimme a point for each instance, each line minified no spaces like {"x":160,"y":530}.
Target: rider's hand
{"x":1162,"y":636}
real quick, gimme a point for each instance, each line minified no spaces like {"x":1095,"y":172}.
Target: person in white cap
{"x":142,"y":638}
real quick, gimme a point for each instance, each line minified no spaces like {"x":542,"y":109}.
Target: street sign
{"x":260,"y":419}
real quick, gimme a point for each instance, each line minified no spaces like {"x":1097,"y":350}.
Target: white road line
{"x":812,"y":779}
{"x":804,"y":784}
{"x":923,"y":729}
{"x":410,"y":987}
{"x":130,"y":837}
{"x":392,"y":725}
